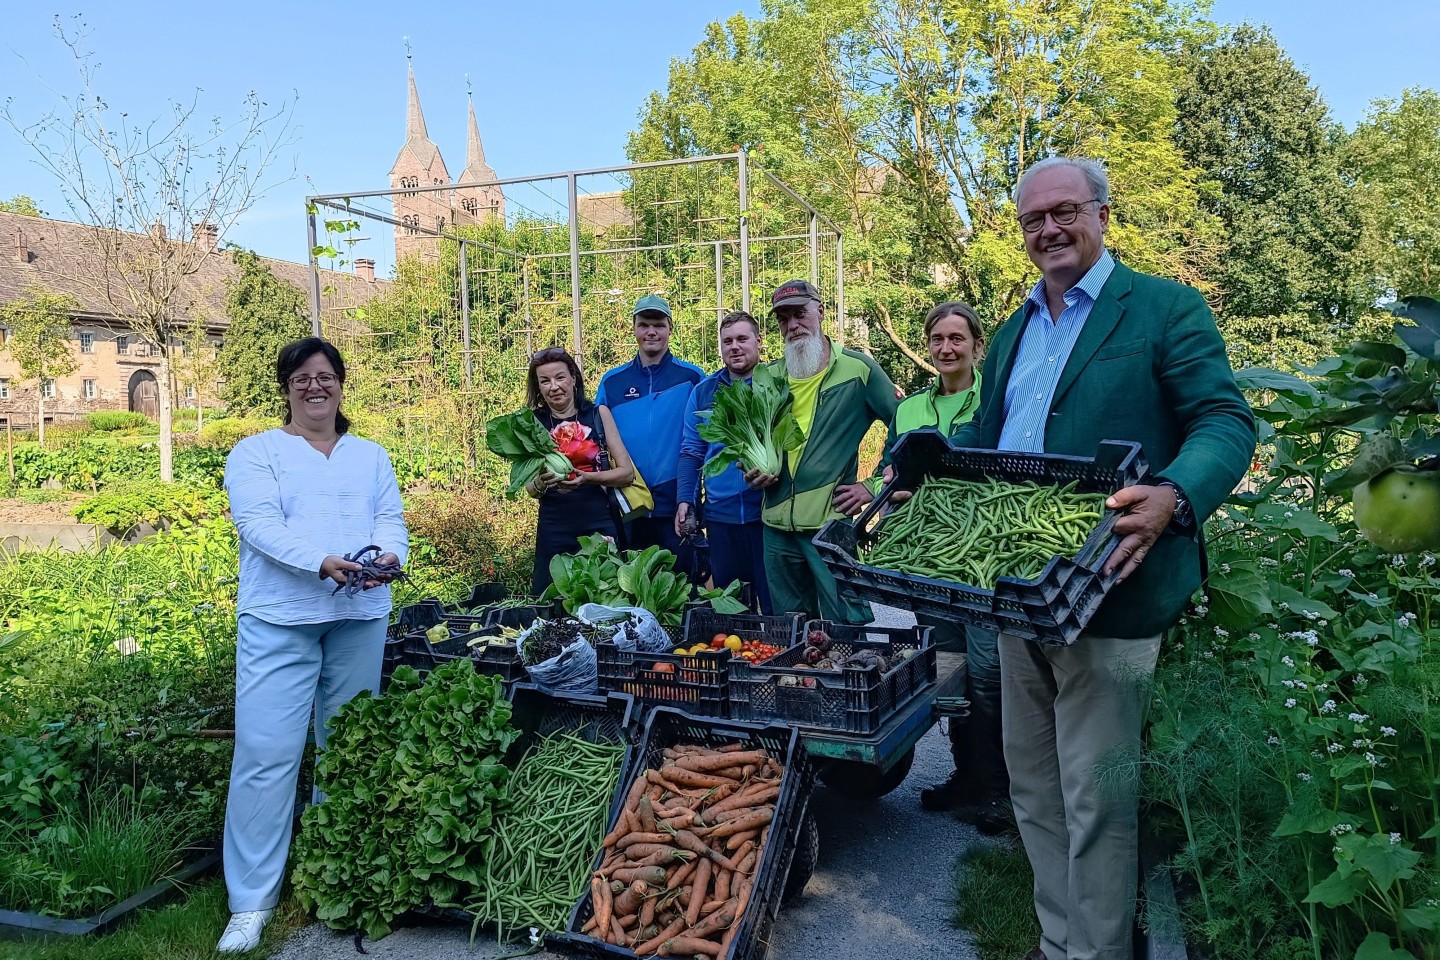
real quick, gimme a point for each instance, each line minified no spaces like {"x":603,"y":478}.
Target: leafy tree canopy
{"x":265,"y":314}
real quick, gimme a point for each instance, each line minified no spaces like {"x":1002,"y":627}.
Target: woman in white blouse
{"x":302,"y":496}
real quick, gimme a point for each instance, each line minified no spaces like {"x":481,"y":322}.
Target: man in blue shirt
{"x":647,"y":398}
{"x":731,"y":506}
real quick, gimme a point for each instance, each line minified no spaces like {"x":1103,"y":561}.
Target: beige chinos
{"x":1066,"y":712}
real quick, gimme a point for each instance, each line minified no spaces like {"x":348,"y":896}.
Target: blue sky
{"x":558,"y":82}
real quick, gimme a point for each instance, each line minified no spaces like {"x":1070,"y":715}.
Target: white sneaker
{"x":243,"y":931}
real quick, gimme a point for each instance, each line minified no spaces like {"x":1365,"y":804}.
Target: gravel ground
{"x":884,"y":886}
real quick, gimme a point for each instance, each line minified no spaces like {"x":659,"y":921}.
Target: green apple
{"x":1399,"y":510}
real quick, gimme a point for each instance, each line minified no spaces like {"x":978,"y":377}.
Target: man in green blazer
{"x":1101,"y":352}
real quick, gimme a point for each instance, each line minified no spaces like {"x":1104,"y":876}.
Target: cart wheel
{"x":807,"y":854}
{"x":860,"y":781}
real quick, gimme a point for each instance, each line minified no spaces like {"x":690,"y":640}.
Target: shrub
{"x":466,"y":537}
{"x":229,"y":431}
{"x":120,"y":508}
{"x":110,"y":420}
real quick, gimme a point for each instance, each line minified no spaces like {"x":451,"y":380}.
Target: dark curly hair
{"x":293,"y":356}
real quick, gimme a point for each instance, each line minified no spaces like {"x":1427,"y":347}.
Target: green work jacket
{"x":854,"y":394}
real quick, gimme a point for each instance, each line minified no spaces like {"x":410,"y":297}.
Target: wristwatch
{"x":1183,"y":519}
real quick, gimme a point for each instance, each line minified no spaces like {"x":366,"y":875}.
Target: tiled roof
{"x":603,"y":211}
{"x":59,"y":251}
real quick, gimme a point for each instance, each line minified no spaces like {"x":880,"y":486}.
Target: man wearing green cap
{"x":838,"y":394}
{"x":647,"y":398}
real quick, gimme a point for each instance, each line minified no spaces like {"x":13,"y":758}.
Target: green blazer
{"x":1149,"y":366}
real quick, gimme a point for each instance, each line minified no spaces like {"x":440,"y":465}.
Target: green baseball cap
{"x":651,"y":303}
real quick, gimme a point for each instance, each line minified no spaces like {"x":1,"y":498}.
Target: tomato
{"x":1399,"y":510}
{"x":718,"y":640}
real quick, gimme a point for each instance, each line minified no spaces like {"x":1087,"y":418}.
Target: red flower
{"x":573,"y":440}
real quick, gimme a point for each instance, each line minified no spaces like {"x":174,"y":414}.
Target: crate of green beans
{"x":997,"y":538}
{"x":567,"y":761}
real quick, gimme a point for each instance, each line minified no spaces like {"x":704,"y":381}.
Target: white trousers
{"x":282,"y":673}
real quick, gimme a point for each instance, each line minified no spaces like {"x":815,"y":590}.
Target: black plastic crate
{"x":520,"y":617}
{"x":536,"y":714}
{"x":416,"y":616}
{"x":483,"y":595}
{"x":1052,"y":608}
{"x":495,"y":659}
{"x":668,"y":727}
{"x":702,"y":623}
{"x":854,"y":700}
{"x":697,"y":682}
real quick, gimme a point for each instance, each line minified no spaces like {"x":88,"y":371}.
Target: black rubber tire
{"x":807,"y":854}
{"x":860,"y":781}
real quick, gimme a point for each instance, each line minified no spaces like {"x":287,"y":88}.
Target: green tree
{"x":21,"y":204}
{"x":908,"y":122}
{"x":1394,"y":157}
{"x":265,"y":313}
{"x":148,"y":193}
{"x":1288,"y":275}
{"x":39,"y":339}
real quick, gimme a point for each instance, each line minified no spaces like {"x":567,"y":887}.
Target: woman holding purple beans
{"x":303,"y":496}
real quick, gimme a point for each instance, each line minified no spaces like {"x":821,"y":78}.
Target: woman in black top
{"x":572,"y":507}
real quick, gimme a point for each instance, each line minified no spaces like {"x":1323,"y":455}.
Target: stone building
{"x":116,"y":368}
{"x":419,"y":164}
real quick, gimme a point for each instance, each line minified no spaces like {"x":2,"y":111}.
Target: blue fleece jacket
{"x":728,"y":498}
{"x":648,"y":404}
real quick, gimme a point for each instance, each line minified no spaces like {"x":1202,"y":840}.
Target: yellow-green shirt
{"x":807,"y":395}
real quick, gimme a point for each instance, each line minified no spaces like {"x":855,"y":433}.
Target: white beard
{"x":804,"y":358}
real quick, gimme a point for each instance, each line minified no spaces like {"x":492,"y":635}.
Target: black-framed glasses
{"x":301,"y":381}
{"x":1063,"y":214}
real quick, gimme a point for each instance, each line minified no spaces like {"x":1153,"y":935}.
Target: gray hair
{"x":1093,"y":170}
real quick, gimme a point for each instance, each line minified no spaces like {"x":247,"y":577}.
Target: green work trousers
{"x":800,"y":581}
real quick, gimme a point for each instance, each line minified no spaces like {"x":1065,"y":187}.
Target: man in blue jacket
{"x":731,"y":506}
{"x":647,"y":397}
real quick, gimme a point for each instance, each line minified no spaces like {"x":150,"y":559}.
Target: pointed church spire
{"x":414,"y":117}
{"x":474,"y":150}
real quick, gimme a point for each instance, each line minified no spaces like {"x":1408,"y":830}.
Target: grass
{"x":185,"y":930}
{"x":80,"y":864}
{"x":995,"y":902}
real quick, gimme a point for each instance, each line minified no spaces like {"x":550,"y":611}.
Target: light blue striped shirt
{"x":1044,"y":348}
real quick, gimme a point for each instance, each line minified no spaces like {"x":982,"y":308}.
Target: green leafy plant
{"x":120,"y":508}
{"x":756,"y":424}
{"x":523,"y":440}
{"x":600,"y":573}
{"x":412,"y":780}
{"x":1295,"y":739}
{"x":106,"y":421}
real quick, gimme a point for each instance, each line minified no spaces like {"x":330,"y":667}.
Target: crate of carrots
{"x":697,"y":856}
{"x":998,"y":538}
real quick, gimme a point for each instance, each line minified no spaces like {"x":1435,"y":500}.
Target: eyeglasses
{"x":323,"y":379}
{"x":1063,"y":214}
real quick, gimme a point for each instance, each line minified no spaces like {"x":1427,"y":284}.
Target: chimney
{"x":22,"y":248}
{"x":365,"y":269}
{"x":207,"y":235}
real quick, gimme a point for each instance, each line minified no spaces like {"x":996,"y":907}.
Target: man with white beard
{"x":838,"y":394}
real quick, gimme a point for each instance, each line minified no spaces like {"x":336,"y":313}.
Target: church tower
{"x":478,"y":204}
{"x":419,"y":164}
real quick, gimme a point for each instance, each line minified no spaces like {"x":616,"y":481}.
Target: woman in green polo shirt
{"x":979,"y":788}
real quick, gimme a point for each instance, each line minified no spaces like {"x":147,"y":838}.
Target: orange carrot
{"x":721,"y":918}
{"x":627,"y":875}
{"x":600,"y":897}
{"x":618,"y":932}
{"x":751,"y":821}
{"x":687,"y":840}
{"x":653,"y":836}
{"x":759,"y":792}
{"x":688,"y":946}
{"x":748,"y":851}
{"x":689,"y":778}
{"x":653,"y":944}
{"x":680,"y":875}
{"x":645,"y":810}
{"x":722,"y":885}
{"x":629,"y":901}
{"x":720,"y":761}
{"x":697,"y":895}
{"x":738,"y":840}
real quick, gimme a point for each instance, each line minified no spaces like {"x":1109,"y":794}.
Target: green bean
{"x":978,"y":531}
{"x":545,"y":841}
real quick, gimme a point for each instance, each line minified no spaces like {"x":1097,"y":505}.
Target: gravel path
{"x":883,"y":888}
